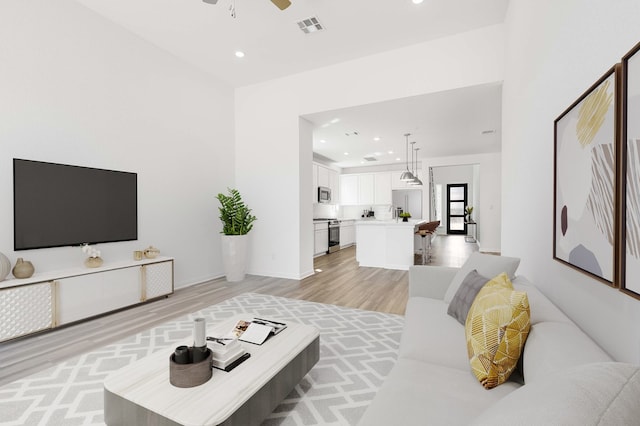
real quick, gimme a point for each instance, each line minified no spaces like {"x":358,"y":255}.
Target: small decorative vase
{"x":5,"y":266}
{"x":405,"y":219}
{"x":151,"y":252}
{"x":93,"y":262}
{"x":23,"y":269}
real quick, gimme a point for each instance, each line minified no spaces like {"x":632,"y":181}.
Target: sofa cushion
{"x":430,"y":335}
{"x":496,"y":329}
{"x":487,"y":265}
{"x":590,"y":394}
{"x":419,"y":393}
{"x":553,"y":347}
{"x":466,"y":294}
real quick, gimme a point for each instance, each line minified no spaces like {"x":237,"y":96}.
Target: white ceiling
{"x":442,"y":124}
{"x":207,"y":37}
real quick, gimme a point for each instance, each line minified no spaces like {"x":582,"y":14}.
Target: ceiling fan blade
{"x":282,"y":4}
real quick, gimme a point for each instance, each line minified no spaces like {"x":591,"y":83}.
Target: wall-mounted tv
{"x":58,"y":205}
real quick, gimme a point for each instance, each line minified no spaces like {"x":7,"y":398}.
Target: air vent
{"x":371,"y":158}
{"x":488,"y":132}
{"x":310,"y":25}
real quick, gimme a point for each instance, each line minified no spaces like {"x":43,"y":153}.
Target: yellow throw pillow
{"x":496,"y":328}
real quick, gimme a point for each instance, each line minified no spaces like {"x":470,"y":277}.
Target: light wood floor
{"x":338,"y":280}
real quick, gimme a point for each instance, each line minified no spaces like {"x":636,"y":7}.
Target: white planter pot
{"x":234,"y":256}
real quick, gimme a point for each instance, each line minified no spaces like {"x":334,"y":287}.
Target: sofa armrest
{"x":430,"y":281}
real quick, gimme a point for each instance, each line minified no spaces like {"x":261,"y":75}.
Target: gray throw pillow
{"x":466,"y":294}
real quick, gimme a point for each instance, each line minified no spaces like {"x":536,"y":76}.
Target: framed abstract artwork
{"x":630,"y":183}
{"x":586,"y":145}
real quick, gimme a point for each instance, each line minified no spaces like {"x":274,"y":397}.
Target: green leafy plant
{"x":468,"y":210}
{"x":234,"y":214}
{"x":405,"y":214}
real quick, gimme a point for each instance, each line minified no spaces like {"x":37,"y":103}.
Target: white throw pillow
{"x":590,"y":394}
{"x":487,"y":265}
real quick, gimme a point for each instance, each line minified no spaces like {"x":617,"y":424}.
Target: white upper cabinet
{"x":315,"y":183}
{"x":334,"y":184}
{"x":349,"y":189}
{"x":323,"y":176}
{"x":366,"y":189}
{"x":383,"y":188}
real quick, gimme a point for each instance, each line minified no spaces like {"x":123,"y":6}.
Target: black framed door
{"x":456,"y":202}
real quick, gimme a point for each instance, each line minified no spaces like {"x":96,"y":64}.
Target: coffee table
{"x":140,"y":393}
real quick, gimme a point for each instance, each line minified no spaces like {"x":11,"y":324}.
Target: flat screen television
{"x":57,"y":205}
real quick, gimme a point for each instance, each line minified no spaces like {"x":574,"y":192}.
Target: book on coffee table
{"x":258,"y":330}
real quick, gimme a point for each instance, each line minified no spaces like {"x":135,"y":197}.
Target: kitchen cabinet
{"x":382,"y":193}
{"x":349,"y":189}
{"x":323,"y":176}
{"x":366,"y":189}
{"x":326,"y":177}
{"x":334,"y":184}
{"x":347,"y":233}
{"x":321,"y":238}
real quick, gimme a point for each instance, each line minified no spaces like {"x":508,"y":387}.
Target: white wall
{"x":268,"y":148}
{"x":78,"y":89}
{"x":555,"y":51}
{"x":486,"y":171}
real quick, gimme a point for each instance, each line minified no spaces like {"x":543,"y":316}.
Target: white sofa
{"x":564,"y":378}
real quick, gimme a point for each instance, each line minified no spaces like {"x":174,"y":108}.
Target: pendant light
{"x":416,"y":181}
{"x":407,"y":175}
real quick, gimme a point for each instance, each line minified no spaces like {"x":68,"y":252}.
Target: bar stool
{"x":427,"y":230}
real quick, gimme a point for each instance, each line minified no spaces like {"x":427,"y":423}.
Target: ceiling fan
{"x":281,"y":4}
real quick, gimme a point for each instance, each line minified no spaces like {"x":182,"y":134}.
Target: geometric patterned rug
{"x":357,"y":350}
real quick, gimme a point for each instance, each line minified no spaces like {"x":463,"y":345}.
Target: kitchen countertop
{"x":390,"y":222}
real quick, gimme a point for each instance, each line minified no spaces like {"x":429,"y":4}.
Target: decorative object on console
{"x":151,"y":252}
{"x":23,"y":269}
{"x":137,"y":255}
{"x":496,"y":329}
{"x":468,"y":210}
{"x":5,"y":266}
{"x":94,"y":260}
{"x":586,"y":141}
{"x":405,"y":216}
{"x":237,"y":221}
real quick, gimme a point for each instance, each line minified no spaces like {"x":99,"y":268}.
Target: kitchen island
{"x":386,"y":244}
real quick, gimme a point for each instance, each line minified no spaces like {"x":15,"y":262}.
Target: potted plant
{"x":405,"y":216}
{"x":468,"y":210}
{"x":237,"y":221}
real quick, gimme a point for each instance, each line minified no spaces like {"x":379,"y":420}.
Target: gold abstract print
{"x":592,"y":113}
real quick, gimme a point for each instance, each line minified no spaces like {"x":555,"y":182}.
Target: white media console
{"x":50,"y":299}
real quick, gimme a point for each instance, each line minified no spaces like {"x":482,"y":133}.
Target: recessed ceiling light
{"x":239,"y":54}
{"x":398,"y":159}
{"x":334,"y":121}
{"x":390,"y":152}
{"x":323,"y":141}
{"x":376,"y":139}
{"x":346,"y":153}
{"x":417,"y":1}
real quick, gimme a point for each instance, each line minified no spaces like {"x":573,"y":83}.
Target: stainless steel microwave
{"x":324,"y":194}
